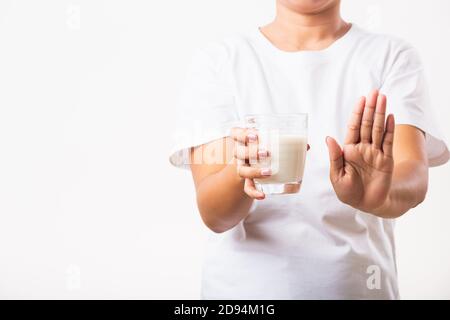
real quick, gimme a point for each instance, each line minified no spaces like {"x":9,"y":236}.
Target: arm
{"x":410,"y":177}
{"x":225,"y":189}
{"x":372,"y":173}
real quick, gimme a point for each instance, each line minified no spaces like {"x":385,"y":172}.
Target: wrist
{"x":393,"y":207}
{"x":385,"y":210}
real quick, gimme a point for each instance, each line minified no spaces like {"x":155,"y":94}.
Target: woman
{"x":335,"y":238}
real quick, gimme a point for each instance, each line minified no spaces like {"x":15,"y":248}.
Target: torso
{"x":307,"y":245}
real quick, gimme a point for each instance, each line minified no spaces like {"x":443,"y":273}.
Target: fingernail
{"x":326,"y":139}
{"x":252,"y":137}
{"x":266,"y":172}
{"x":262,"y":153}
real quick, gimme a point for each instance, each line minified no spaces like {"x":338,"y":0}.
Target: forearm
{"x":408,"y":189}
{"x":221,"y":199}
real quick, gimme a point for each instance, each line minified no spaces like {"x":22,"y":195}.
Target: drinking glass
{"x":284,"y":137}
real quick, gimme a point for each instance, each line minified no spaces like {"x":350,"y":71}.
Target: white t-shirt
{"x":307,"y":245}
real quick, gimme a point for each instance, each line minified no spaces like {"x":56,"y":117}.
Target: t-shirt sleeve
{"x":206,"y":110}
{"x":408,"y":99}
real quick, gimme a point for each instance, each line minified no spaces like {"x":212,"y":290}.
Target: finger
{"x":240,"y":151}
{"x":263,"y":154}
{"x":388,"y":140}
{"x":354,"y":124}
{"x":378,"y":122}
{"x":367,"y":119}
{"x":243,"y":152}
{"x":252,"y":148}
{"x":253,"y":173}
{"x":244,"y":135}
{"x":251,"y":191}
{"x":336,"y":158}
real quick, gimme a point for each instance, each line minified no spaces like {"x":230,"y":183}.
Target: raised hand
{"x":361,"y":172}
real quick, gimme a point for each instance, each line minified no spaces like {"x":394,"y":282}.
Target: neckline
{"x":348,"y":36}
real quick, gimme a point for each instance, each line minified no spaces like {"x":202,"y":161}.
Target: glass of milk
{"x":284,"y":136}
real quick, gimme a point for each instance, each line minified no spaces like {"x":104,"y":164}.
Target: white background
{"x":89,"y":205}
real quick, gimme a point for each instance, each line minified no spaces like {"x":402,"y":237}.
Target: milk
{"x":287,"y":160}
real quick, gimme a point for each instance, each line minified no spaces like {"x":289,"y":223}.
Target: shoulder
{"x":369,"y":38}
{"x":386,"y":46}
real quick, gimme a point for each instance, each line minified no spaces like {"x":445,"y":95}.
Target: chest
{"x":326,"y":89}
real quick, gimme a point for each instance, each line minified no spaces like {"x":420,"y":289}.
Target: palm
{"x":361,"y":173}
{"x":367,"y":177}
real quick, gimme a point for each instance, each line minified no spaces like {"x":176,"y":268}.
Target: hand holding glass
{"x":284,"y":137}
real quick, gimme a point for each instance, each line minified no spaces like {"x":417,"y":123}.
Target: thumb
{"x":336,"y":157}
